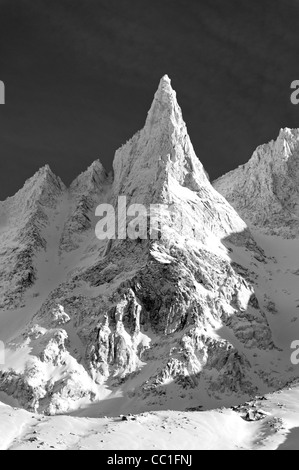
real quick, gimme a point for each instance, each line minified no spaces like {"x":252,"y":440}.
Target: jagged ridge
{"x":265,"y":191}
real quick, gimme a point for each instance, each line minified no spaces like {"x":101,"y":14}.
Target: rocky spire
{"x":165,"y":110}
{"x":161,"y":147}
{"x":159,"y":165}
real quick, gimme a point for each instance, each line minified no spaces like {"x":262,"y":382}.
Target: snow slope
{"x":223,"y":429}
{"x":155,"y":430}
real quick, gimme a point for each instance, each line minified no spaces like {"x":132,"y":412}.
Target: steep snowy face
{"x":23,"y":220}
{"x":265,"y":191}
{"x":42,"y":190}
{"x":157,"y":150}
{"x":91,"y":181}
{"x":86,"y":191}
{"x":159,"y":165}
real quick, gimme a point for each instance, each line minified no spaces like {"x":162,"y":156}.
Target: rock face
{"x":173,"y":321}
{"x":265,"y":191}
{"x":84,"y":193}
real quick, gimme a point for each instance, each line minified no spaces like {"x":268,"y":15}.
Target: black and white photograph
{"x":149,"y":227}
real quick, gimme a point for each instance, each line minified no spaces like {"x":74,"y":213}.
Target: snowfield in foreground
{"x":222,"y":429}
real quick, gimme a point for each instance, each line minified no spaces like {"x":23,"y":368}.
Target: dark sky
{"x":80,"y":76}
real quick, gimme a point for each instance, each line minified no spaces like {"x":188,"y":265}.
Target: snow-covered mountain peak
{"x":265,"y":191}
{"x":159,"y":165}
{"x":288,"y":133}
{"x":91,"y":180}
{"x":287,"y":144}
{"x":162,"y":149}
{"x":45,"y":175}
{"x":42,"y":188}
{"x":164,"y":109}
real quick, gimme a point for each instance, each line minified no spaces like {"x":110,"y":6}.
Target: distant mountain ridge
{"x":265,"y":191}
